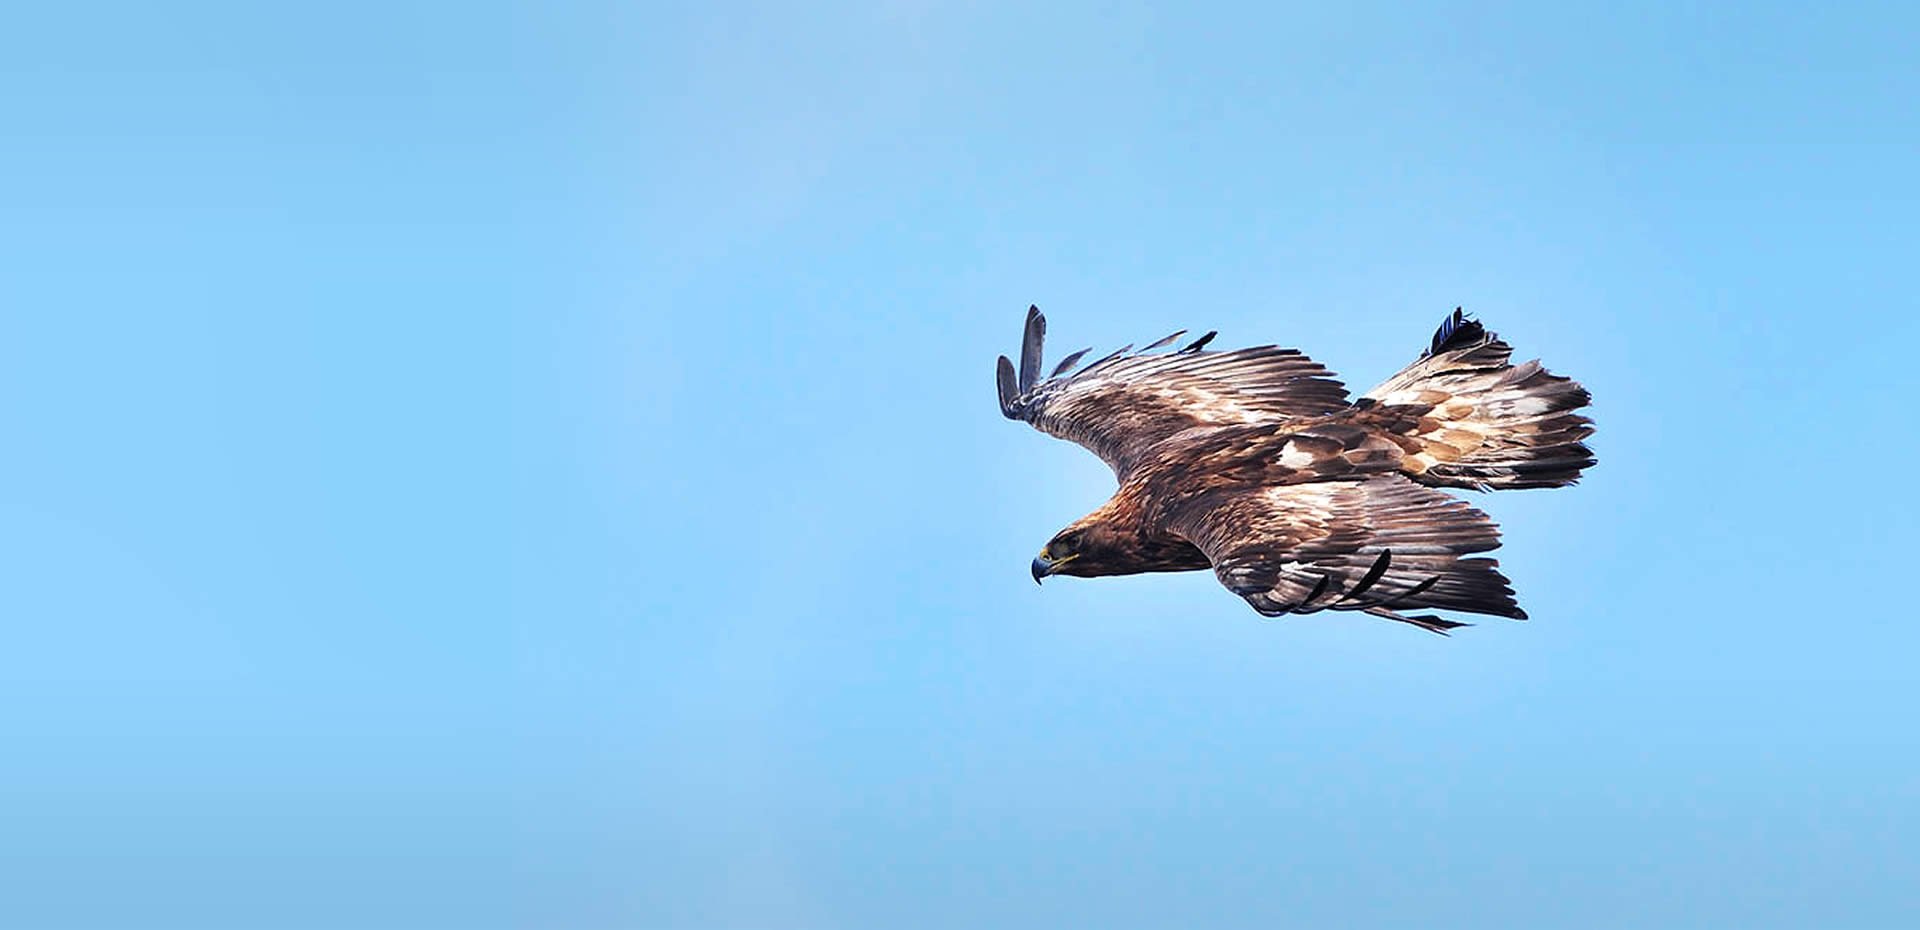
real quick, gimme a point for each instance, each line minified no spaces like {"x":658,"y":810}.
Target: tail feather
{"x":1466,"y":417}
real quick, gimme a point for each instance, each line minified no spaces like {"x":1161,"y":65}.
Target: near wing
{"x":1381,"y":545}
{"x":1124,"y":404}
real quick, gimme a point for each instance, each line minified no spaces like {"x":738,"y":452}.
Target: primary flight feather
{"x":1252,"y":462}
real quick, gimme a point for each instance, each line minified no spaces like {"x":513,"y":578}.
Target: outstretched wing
{"x":1124,"y":404}
{"x":1382,"y":545}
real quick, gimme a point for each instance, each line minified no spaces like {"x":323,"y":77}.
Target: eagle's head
{"x":1087,"y":550}
{"x":1094,"y":547}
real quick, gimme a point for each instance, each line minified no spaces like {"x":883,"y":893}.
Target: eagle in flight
{"x":1254,"y":463}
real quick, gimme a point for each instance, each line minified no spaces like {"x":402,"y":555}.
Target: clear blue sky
{"x":478,"y":465}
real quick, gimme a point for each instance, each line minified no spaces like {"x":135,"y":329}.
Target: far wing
{"x":1382,"y":545}
{"x":1124,"y":404}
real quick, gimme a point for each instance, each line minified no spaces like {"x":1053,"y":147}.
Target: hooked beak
{"x":1043,"y":566}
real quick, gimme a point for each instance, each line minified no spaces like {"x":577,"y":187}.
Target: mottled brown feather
{"x":1275,"y":545}
{"x":1253,"y":463}
{"x":1123,"y":405}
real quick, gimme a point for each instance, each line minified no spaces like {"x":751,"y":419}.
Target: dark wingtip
{"x":1030,"y":343}
{"x":1009,"y":390}
{"x":1428,"y":622}
{"x":1201,"y":342}
{"x":1067,"y":362}
{"x":1372,"y":576}
{"x":1433,"y":624}
{"x":1110,"y":356}
{"x":1165,"y":340}
{"x":1314,"y":595}
{"x":1414,"y":591}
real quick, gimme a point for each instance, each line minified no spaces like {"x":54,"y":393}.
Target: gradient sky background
{"x":479,"y":465}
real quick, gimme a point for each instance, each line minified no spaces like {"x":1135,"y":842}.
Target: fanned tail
{"x":1465,"y":417}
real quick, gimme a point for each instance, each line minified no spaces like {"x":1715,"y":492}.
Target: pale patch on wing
{"x":1294,"y":457}
{"x":1301,"y":500}
{"x":1218,"y":408}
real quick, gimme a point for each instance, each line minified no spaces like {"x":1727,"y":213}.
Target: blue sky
{"x":485,"y":466}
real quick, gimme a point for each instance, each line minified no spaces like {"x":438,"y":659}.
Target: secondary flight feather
{"x":1254,"y":463}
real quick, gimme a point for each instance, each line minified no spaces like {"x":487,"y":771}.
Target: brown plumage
{"x":1252,"y":462}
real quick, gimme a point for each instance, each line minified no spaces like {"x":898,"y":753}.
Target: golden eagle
{"x":1253,"y":463}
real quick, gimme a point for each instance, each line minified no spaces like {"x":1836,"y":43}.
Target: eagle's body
{"x":1253,"y":463}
